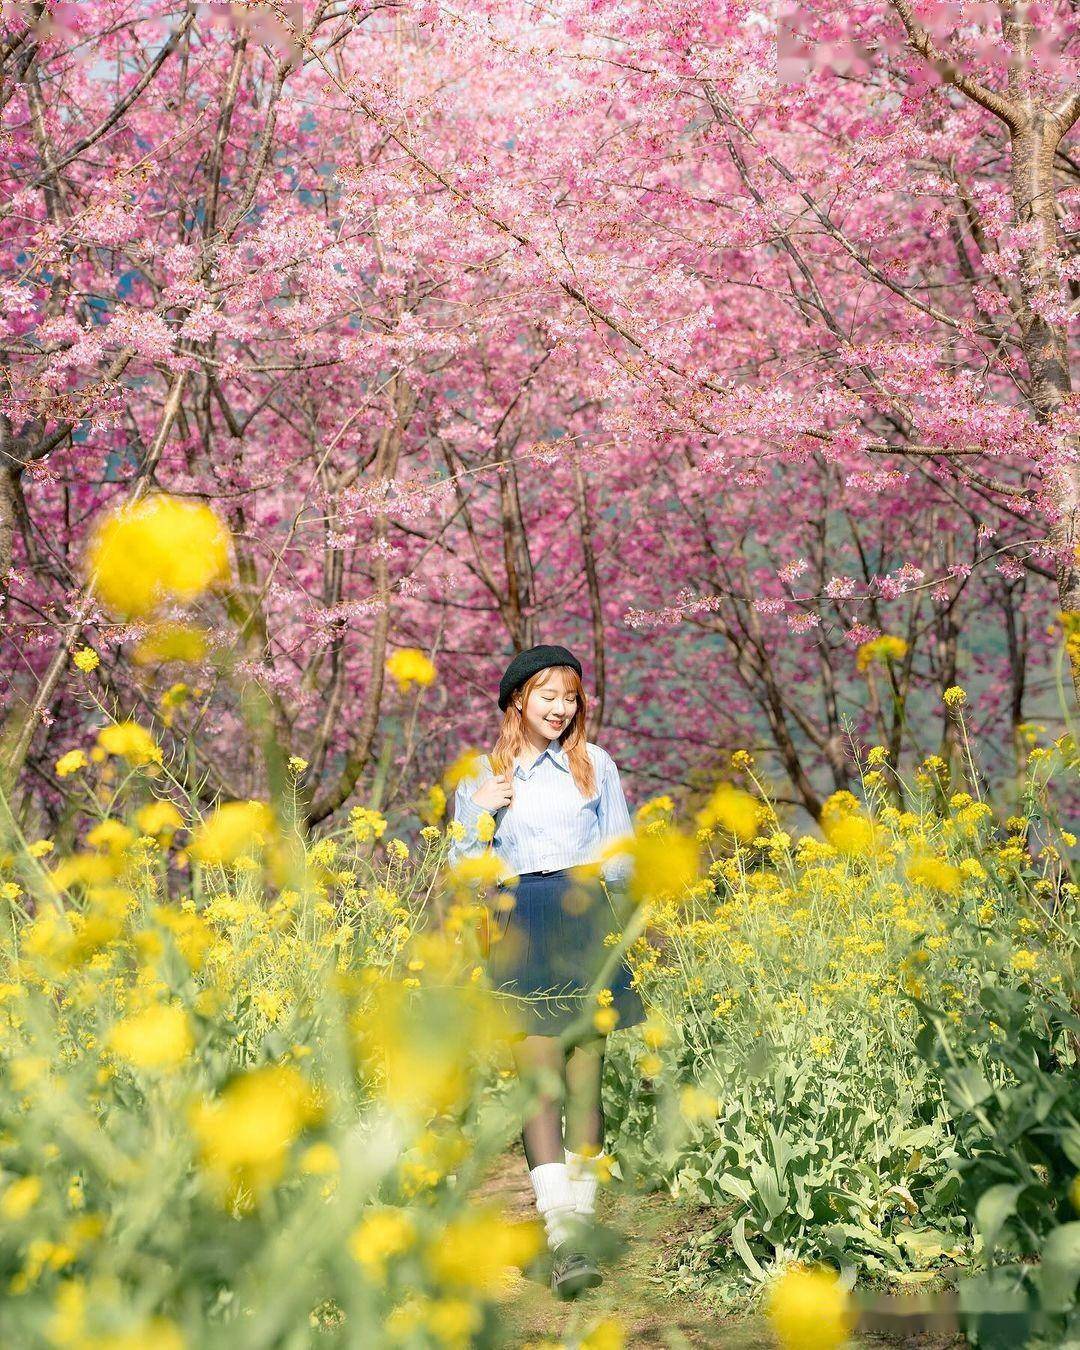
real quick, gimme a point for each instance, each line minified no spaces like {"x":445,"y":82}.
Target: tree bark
{"x":596,"y":609}
{"x":1045,"y":345}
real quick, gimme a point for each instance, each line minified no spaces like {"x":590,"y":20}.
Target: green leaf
{"x":994,"y":1209}
{"x":739,"y":1242}
{"x":759,"y":1060}
{"x":924,"y":1245}
{"x":739,"y":1187}
{"x":917,"y":1137}
{"x":768,"y":1191}
{"x":1060,"y":1268}
{"x":967,"y":1087}
{"x":1070,"y":1144}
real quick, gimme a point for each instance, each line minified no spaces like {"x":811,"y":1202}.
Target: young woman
{"x":557,"y":802}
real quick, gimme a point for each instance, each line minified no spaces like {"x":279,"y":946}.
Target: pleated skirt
{"x":548,"y":947}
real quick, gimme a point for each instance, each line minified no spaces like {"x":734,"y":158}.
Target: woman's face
{"x":551,"y":706}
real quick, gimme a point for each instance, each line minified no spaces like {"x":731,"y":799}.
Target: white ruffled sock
{"x":582,"y":1183}
{"x":554,"y":1201}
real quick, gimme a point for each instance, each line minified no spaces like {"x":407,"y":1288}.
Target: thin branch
{"x":975,"y":90}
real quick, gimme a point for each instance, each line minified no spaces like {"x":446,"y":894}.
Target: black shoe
{"x":572,"y":1271}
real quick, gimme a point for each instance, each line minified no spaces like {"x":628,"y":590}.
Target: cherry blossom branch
{"x":979,"y":93}
{"x":108,"y":122}
{"x":720,"y":105}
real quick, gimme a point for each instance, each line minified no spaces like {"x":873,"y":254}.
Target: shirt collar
{"x":556,"y":752}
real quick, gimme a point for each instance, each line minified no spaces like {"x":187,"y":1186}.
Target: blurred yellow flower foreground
{"x":242,"y":1082}
{"x":808,"y":1310}
{"x":161,"y":548}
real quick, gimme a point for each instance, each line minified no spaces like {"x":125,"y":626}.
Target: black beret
{"x":530,"y":662}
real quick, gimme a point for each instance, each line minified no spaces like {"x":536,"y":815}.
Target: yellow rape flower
{"x":245,"y":1135}
{"x":130,"y":740}
{"x":158,"y":1037}
{"x":606,"y":1335}
{"x":20,"y":1197}
{"x":735,"y":810}
{"x":320,"y":1160}
{"x":160,"y":548}
{"x":232,"y":832}
{"x":954,"y":696}
{"x":110,"y":836}
{"x":70,"y":763}
{"x":885,"y":649}
{"x":484,"y":870}
{"x":936,"y":873}
{"x":191,"y":933}
{"x":655,"y":1034}
{"x":697,"y":1104}
{"x":155,"y":1333}
{"x":665,"y":864}
{"x":433,"y":808}
{"x":808,"y":1310}
{"x":171,"y":642}
{"x":86,"y":660}
{"x":175,"y":696}
{"x":656,"y":807}
{"x":605,"y":1020}
{"x":423,"y":1042}
{"x":410,"y":666}
{"x":852,"y":835}
{"x":87,"y":868}
{"x":366,"y":824}
{"x":474,"y":1250}
{"x":453,"y":1322}
{"x":840,"y":803}
{"x":158,"y":818}
{"x":380,"y":1235}
{"x":467,"y":765}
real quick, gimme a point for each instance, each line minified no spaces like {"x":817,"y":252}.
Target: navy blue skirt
{"x":548,"y":948}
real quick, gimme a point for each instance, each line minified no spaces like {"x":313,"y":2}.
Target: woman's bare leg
{"x":540,"y":1066}
{"x":584,"y":1108}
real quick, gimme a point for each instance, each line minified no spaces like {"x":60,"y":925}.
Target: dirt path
{"x":632,"y":1291}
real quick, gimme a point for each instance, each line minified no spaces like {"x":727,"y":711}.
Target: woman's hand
{"x":497,"y":792}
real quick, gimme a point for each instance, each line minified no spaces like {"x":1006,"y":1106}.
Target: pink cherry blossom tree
{"x":715,"y":345}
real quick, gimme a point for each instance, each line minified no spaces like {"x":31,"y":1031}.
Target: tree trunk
{"x":1044,"y":342}
{"x":8,"y":490}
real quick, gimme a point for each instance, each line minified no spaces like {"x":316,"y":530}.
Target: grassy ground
{"x":633,"y":1291}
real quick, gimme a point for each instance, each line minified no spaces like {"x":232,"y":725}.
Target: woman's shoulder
{"x":478,"y":767}
{"x":597,"y":753}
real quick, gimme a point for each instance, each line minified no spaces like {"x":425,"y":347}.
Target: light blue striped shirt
{"x":550,"y":824}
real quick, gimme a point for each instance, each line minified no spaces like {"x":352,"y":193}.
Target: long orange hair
{"x":512,"y":741}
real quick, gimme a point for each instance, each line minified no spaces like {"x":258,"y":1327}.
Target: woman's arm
{"x":467,"y":813}
{"x":614,"y":817}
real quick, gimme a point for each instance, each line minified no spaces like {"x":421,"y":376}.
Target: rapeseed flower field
{"x":253,"y":1073}
{"x":251,"y":1076}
